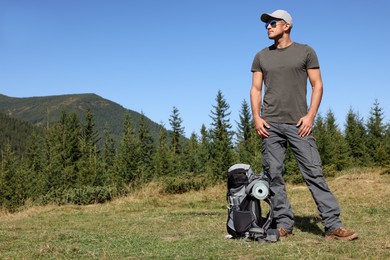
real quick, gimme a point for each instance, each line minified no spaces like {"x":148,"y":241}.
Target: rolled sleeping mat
{"x":260,"y":190}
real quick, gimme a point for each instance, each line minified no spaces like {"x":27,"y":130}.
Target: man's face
{"x":275,"y":28}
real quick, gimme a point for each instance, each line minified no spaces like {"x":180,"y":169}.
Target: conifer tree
{"x":248,"y":141}
{"x":376,"y":135}
{"x":34,"y":153}
{"x":108,"y":159}
{"x":245,"y":127}
{"x":204,"y":151}
{"x":89,"y":131}
{"x":177,"y":131}
{"x":355,"y":136}
{"x":71,"y":150}
{"x":163,"y":157}
{"x":255,"y":143}
{"x":12,"y":180}
{"x":245,"y":131}
{"x":177,"y":144}
{"x":320,"y":134}
{"x":221,"y":135}
{"x":387,"y":144}
{"x":147,"y":149}
{"x":88,"y":163}
{"x":53,"y":169}
{"x":338,"y":150}
{"x":192,"y":155}
{"x":34,"y":166}
{"x":128,"y":155}
{"x":70,"y":140}
{"x":62,"y":152}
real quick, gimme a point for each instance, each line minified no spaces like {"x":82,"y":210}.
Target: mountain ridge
{"x":45,"y":110}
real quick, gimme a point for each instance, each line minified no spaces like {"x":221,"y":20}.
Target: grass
{"x":148,"y":224}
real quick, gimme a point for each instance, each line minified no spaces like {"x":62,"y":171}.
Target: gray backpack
{"x":245,"y":190}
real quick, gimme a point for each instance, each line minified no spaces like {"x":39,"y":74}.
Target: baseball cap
{"x":278,"y":14}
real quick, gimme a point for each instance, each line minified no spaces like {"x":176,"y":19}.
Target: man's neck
{"x":283,"y":42}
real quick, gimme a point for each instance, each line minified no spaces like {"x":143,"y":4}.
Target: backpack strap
{"x":270,"y":215}
{"x":264,"y":233}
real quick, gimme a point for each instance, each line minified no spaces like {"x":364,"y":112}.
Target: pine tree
{"x":70,"y":141}
{"x":245,"y":128}
{"x":248,"y":141}
{"x":338,"y":149}
{"x":89,"y":132}
{"x":376,"y":135}
{"x":71,"y":150}
{"x":108,"y":159}
{"x":128,"y":155}
{"x":62,"y":152}
{"x":192,"y":156}
{"x":89,"y":161}
{"x":34,"y":166}
{"x":245,"y":131}
{"x":255,"y":143}
{"x":355,"y":136}
{"x":221,"y":135}
{"x":147,"y":149}
{"x":204,"y":151}
{"x":53,"y":168}
{"x":387,"y":145}
{"x":321,"y":136}
{"x":331,"y":144}
{"x":163,"y":157}
{"x":34,"y":153}
{"x":177,"y":145}
{"x":177,"y":131}
{"x":12,"y":180}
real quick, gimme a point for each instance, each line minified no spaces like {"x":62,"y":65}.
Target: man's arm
{"x":306,"y":123}
{"x":256,"y":96}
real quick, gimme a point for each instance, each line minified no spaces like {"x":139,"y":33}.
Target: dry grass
{"x":149,"y":224}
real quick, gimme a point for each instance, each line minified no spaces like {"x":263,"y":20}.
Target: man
{"x":282,"y":117}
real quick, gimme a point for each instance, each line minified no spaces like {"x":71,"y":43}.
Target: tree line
{"x":70,"y":163}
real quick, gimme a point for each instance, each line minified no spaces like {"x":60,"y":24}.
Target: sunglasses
{"x":272,"y":23}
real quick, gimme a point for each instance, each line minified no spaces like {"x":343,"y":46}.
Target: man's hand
{"x":305,"y":125}
{"x":261,"y":126}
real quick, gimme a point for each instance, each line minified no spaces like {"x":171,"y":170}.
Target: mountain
{"x":16,"y":133}
{"x":44,"y":110}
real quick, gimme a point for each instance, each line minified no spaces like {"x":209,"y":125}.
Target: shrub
{"x":184,"y":183}
{"x":329,"y":170}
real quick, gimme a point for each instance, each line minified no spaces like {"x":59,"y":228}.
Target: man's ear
{"x":287,"y":27}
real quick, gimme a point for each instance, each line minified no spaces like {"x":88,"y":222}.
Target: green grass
{"x":151,"y":225}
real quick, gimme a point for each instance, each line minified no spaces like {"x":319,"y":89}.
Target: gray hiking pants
{"x":309,"y":162}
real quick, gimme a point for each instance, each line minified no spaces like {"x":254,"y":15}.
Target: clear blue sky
{"x":152,"y":55}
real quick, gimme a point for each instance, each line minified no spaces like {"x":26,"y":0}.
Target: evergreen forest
{"x":69,"y":162}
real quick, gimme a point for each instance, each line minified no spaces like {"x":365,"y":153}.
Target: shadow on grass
{"x":308,"y":224}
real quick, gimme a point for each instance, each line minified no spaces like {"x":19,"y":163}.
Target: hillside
{"x":41,"y":111}
{"x":149,"y":224}
{"x":16,"y":133}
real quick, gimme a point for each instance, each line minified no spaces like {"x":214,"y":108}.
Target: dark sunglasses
{"x":272,"y":23}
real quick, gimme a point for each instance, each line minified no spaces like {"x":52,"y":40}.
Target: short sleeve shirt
{"x":285,"y":80}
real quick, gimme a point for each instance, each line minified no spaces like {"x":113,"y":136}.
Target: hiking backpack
{"x":245,"y":190}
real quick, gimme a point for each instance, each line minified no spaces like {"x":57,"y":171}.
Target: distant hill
{"x":44,"y":110}
{"x":16,"y":133}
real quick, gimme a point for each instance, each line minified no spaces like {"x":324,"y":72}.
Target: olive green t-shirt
{"x":285,"y":80}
